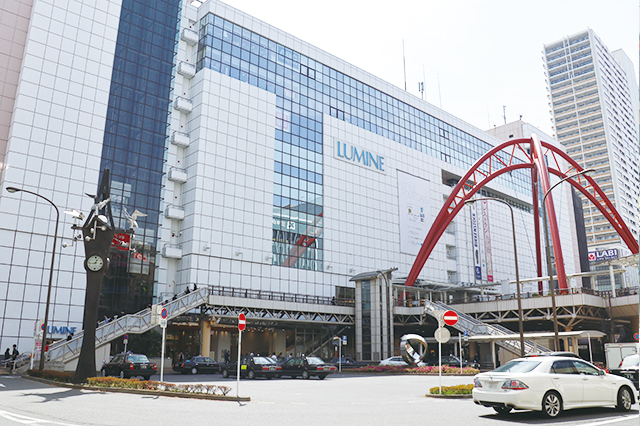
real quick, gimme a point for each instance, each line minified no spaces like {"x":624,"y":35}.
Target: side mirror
{"x":601,"y":372}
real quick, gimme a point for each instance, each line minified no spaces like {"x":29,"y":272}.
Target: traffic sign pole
{"x":440,"y":363}
{"x":239,"y":356}
{"x":164,"y":330}
{"x":460,"y":343}
{"x":242,"y":323}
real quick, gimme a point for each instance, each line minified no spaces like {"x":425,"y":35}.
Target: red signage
{"x":139,"y":256}
{"x":242,"y":322}
{"x":121,"y":241}
{"x":450,"y":318}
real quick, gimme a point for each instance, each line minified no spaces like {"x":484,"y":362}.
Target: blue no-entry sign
{"x":635,"y":337}
{"x":164,"y":313}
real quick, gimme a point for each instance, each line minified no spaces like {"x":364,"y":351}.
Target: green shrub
{"x":56,"y":376}
{"x":452,"y":390}
{"x":114,"y":382}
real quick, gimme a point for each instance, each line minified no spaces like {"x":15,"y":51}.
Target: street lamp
{"x":53,"y":254}
{"x":515,"y":255}
{"x":552,"y":289}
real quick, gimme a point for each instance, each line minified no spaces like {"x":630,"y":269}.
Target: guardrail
{"x":574,"y":290}
{"x":278,"y":296}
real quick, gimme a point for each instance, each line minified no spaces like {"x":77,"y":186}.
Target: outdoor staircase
{"x":476,"y":327}
{"x":65,"y":351}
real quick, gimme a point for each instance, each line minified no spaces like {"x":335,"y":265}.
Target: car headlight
{"x":514,"y":385}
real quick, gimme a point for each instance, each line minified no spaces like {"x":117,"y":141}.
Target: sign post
{"x":163,"y":325}
{"x":460,"y":343}
{"x":242,"y":323}
{"x":125,"y":340}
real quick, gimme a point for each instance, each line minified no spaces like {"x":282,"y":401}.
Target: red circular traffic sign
{"x":450,"y":318}
{"x":242,"y":322}
{"x":164,"y":313}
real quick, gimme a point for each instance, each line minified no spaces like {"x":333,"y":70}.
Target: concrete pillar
{"x":493,"y":354}
{"x":205,"y":348}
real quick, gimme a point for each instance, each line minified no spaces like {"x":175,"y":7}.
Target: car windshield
{"x":314,"y":360}
{"x":262,"y":360}
{"x":517,"y":366}
{"x":630,"y":361}
{"x":137,"y":358}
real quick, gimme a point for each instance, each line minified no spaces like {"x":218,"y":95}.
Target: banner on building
{"x":597,"y":256}
{"x":414,"y":215}
{"x":487,"y":241}
{"x":477,"y":261}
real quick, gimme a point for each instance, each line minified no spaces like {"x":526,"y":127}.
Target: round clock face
{"x":95,"y":263}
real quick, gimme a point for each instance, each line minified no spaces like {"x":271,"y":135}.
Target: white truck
{"x":614,"y":352}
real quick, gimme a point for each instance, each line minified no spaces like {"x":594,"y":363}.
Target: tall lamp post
{"x":53,"y":254}
{"x":552,"y":289}
{"x":515,"y":255}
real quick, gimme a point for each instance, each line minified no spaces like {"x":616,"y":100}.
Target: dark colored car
{"x":305,"y":367}
{"x":348,"y":362}
{"x":252,"y":367}
{"x":197,"y":364}
{"x":452,"y":361}
{"x":129,"y":365}
{"x":628,"y":368}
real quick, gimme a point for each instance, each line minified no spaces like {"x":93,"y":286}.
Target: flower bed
{"x":114,"y":382}
{"x":466,"y":371}
{"x":452,"y":390}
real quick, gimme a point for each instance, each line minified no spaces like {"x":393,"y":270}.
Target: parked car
{"x":628,"y":368}
{"x":305,"y":367}
{"x":129,"y":365}
{"x":452,"y":361}
{"x":398,"y":361}
{"x":551,"y":384}
{"x":348,"y":362}
{"x":252,"y":367}
{"x":197,"y":364}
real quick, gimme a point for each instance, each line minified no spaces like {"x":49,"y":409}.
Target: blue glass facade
{"x":305,"y":90}
{"x":135,"y":142}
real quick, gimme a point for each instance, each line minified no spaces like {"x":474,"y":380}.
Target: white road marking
{"x":606,"y":422}
{"x":30,"y":420}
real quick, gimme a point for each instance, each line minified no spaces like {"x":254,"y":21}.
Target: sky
{"x":475,"y":56}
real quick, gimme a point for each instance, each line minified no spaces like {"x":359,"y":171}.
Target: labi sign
{"x":597,"y":256}
{"x":359,"y":156}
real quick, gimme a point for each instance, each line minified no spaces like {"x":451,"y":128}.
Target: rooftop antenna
{"x":404,"y":64}
{"x":504,"y":113}
{"x":421,"y":85}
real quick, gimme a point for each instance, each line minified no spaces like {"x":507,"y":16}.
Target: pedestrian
{"x":187,"y":291}
{"x":227,"y":356}
{"x":69,"y":337}
{"x":15,"y":352}
{"x":274,"y":357}
{"x":7,"y":355}
{"x":195,"y":287}
{"x":180,"y":357}
{"x":105,"y":320}
{"x":175,"y":296}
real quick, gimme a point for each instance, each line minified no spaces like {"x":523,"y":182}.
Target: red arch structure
{"x":495,"y":163}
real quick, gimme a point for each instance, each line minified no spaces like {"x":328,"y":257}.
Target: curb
{"x":140,"y":391}
{"x":449,"y":396}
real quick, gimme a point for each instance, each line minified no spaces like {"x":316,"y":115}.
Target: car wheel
{"x":321,"y":376}
{"x":121,"y":375}
{"x":625,"y":400}
{"x":251,"y":375}
{"x":194,"y":370}
{"x":502,"y":410}
{"x":103,"y":372}
{"x":551,"y":404}
{"x":225,"y":373}
{"x":146,"y":377}
{"x":305,"y":374}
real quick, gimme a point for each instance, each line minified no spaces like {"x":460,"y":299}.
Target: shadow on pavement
{"x":534,"y":417}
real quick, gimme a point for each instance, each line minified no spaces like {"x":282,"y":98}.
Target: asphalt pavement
{"x":341,"y":399}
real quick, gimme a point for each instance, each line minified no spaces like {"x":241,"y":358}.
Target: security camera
{"x":65,"y":245}
{"x":87,"y":238}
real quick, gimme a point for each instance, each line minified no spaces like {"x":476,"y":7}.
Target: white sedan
{"x":398,"y":361}
{"x":551,"y":384}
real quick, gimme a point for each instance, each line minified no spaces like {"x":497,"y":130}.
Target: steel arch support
{"x":487,"y":167}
